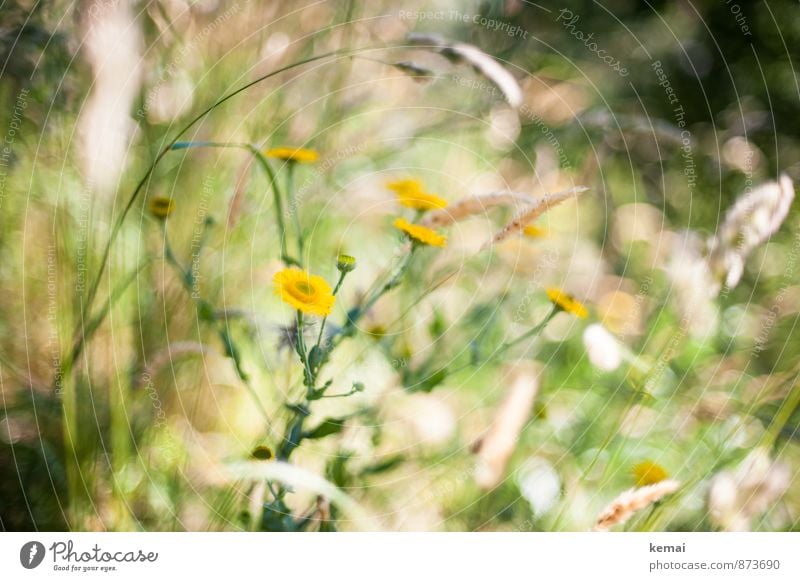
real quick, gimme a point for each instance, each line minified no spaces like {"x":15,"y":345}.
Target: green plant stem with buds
{"x":311,"y":369}
{"x":81,"y":336}
{"x":336,"y":288}
{"x":354,"y":316}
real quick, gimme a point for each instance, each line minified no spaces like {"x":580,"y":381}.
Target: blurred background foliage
{"x":136,"y":435}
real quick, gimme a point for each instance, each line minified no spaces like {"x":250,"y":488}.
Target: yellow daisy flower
{"x":532,"y":231}
{"x":420,"y":233}
{"x":411,"y":194}
{"x":161,"y":207}
{"x":305,"y":292}
{"x":405,"y":186}
{"x":567,"y":302}
{"x":648,"y":472}
{"x":293,"y":154}
{"x":262,"y":453}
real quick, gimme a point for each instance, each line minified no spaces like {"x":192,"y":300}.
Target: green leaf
{"x":384,"y":465}
{"x":328,"y":427}
{"x":438,"y":325}
{"x":428,"y":383}
{"x":316,"y":357}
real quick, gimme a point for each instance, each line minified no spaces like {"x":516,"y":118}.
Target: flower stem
{"x":293,"y":209}
{"x":393,"y":281}
{"x":535,"y":331}
{"x":339,"y":282}
{"x":302,"y":352}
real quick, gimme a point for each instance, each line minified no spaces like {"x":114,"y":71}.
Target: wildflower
{"x":420,"y":233}
{"x":262,"y":453}
{"x":411,"y":194}
{"x":602,"y":347}
{"x":345,"y":263}
{"x":408,"y":186}
{"x":567,"y":302}
{"x":161,"y":207}
{"x":532,"y":231}
{"x":648,"y":472}
{"x":305,"y":292}
{"x":293,"y":154}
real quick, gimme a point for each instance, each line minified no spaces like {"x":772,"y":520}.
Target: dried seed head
{"x":484,"y":64}
{"x":475,"y":205}
{"x":629,"y":502}
{"x":750,"y":222}
{"x":539,"y":207}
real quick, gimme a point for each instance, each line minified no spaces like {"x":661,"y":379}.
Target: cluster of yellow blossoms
{"x":311,"y":294}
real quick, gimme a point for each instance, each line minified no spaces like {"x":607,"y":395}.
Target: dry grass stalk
{"x":483,"y":63}
{"x":626,"y":504}
{"x":475,"y":205}
{"x":540,"y":206}
{"x":752,"y":220}
{"x":495,"y":448}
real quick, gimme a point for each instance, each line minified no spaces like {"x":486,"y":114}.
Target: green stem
{"x":339,"y":282}
{"x":785,"y":412}
{"x":97,"y":320}
{"x":302,"y":352}
{"x":263,"y":162}
{"x":276,"y":193}
{"x":508,"y":345}
{"x":393,"y":281}
{"x":295,"y":211}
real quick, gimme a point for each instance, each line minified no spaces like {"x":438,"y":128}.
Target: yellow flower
{"x":567,"y":302}
{"x":305,"y":292}
{"x":294,"y":154}
{"x":420,"y":233}
{"x":648,"y":472}
{"x":532,"y":231}
{"x":411,"y":194}
{"x":161,"y":207}
{"x":262,"y":453}
{"x":405,"y":186}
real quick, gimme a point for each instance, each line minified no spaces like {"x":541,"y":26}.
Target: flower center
{"x":304,"y":288}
